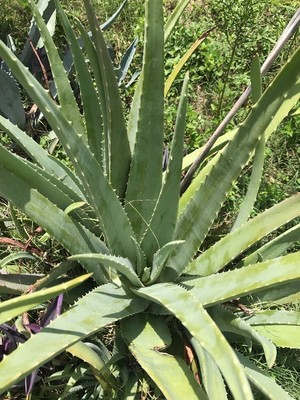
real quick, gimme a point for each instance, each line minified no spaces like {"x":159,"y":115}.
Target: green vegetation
{"x":167,"y":282}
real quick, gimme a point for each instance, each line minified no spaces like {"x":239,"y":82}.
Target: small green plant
{"x":139,"y":235}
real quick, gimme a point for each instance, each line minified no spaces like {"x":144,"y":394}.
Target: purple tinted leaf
{"x":53,"y":311}
{"x":29,"y":381}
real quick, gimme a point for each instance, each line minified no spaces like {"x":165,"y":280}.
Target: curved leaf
{"x":98,"y":308}
{"x":147,"y":337}
{"x":10,"y":309}
{"x":192,"y":315}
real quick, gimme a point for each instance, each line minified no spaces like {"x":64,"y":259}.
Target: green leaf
{"x":275,"y":247}
{"x":229,"y":322}
{"x":89,"y":97}
{"x":174,"y":17}
{"x":98,"y":308}
{"x":280,"y":326}
{"x":197,"y":217}
{"x":264,"y":383}
{"x":71,"y":234}
{"x":229,"y":285}
{"x":226,"y":249}
{"x":210,"y":373}
{"x":146,"y":125}
{"x":10,"y":309}
{"x":160,"y":258}
{"x":147,"y":338}
{"x":122,"y":265}
{"x":165,"y":212}
{"x":11,"y":104}
{"x":15,"y":256}
{"x":114,"y":121}
{"x":65,"y":94}
{"x":192,"y":315}
{"x":42,"y":157}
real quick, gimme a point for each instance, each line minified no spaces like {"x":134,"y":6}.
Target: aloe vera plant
{"x":123,"y":219}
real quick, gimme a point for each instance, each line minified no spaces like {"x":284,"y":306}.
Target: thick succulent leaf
{"x":146,"y":123}
{"x":160,"y":258}
{"x":90,"y":356}
{"x":45,"y":183}
{"x":264,"y":383}
{"x":259,"y":156}
{"x":65,"y":94}
{"x":282,"y":327}
{"x":210,"y":373}
{"x":197,"y":217}
{"x":122,"y":265}
{"x":226,"y":249}
{"x":89,"y":97}
{"x":275,"y":247}
{"x":10,"y":102}
{"x":102,"y":306}
{"x":73,"y":236}
{"x":147,"y":338}
{"x":115,"y":128}
{"x":281,"y":294}
{"x":47,"y":8}
{"x":195,"y":318}
{"x":229,"y":322}
{"x":174,"y":17}
{"x":15,"y":256}
{"x":10,"y":309}
{"x":16,"y":283}
{"x":102,"y":196}
{"x":229,"y":285}
{"x":126,"y":61}
{"x":165,"y":212}
{"x":41,"y":156}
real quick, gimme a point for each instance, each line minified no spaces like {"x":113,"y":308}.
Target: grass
{"x":219,"y":71}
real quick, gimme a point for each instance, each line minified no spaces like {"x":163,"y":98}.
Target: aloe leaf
{"x":115,"y":15}
{"x":64,"y":90}
{"x":47,"y":8}
{"x":147,"y":338}
{"x":11,"y":104}
{"x":275,"y":247}
{"x":126,"y":61}
{"x":240,"y":282}
{"x":15,"y":256}
{"x":226,"y":249}
{"x":197,"y":321}
{"x":10,"y":309}
{"x":197,"y":217}
{"x":101,"y":194}
{"x":16,"y":283}
{"x":41,"y":156}
{"x":259,"y":156}
{"x":228,"y":322}
{"x":264,"y":383}
{"x":160,"y":258}
{"x":123,"y":265}
{"x":285,"y":293}
{"x":165,"y":212}
{"x":88,"y":355}
{"x":184,"y":59}
{"x":89,"y":97}
{"x":115,"y":128}
{"x":282,"y":327}
{"x":102,"y":306}
{"x":18,"y":225}
{"x":73,"y":236}
{"x":146,"y":123}
{"x":210,"y":373}
{"x":174,"y":17}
